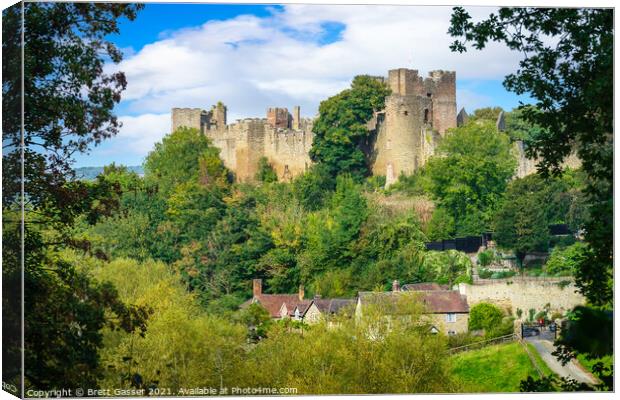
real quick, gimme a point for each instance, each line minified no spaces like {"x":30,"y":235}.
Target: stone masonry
{"x":403,"y":135}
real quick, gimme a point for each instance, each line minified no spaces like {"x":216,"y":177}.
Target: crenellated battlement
{"x":417,"y":113}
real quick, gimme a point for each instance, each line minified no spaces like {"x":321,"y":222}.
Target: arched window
{"x":426,"y":115}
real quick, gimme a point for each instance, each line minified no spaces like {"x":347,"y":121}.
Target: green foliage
{"x":471,"y":174}
{"x":521,"y":223}
{"x":441,"y":226}
{"x":573,"y":113}
{"x":330,"y":233}
{"x":257,"y":320}
{"x":486,"y":258}
{"x":448,"y":267}
{"x":518,"y":127}
{"x":67,"y":99}
{"x":566,"y":261}
{"x":485,"y":316}
{"x":184,"y":156}
{"x":346,"y":357}
{"x":265,"y":171}
{"x":340,"y":129}
{"x":313,"y":188}
{"x":416,"y":184}
{"x":532,"y":204}
{"x":488,"y":114}
{"x":178,"y":335}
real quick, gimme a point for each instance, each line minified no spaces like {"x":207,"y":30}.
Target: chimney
{"x":395,"y":286}
{"x":317,"y":297}
{"x":296,"y":118}
{"x":301,"y":292}
{"x":257,"y":287}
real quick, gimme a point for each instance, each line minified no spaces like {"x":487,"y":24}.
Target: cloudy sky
{"x":252,"y":57}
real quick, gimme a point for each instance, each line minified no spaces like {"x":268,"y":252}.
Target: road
{"x":571,"y":370}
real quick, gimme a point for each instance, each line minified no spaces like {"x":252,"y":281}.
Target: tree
{"x":68,"y":99}
{"x":576,"y":113}
{"x":470,"y":173}
{"x":341,"y":129}
{"x":265,"y":171}
{"x":257,"y":320}
{"x":485,"y":316}
{"x":564,"y":261}
{"x":313,"y":188}
{"x":448,"y":267}
{"x":521,"y":223}
{"x":68,"y":106}
{"x":185,"y":155}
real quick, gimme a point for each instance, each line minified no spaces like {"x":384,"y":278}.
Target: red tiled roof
{"x":445,"y":301}
{"x":436,"y":301}
{"x":273,"y":302}
{"x":424,"y":286}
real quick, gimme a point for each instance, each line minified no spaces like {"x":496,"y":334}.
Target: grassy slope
{"x":587,"y":364}
{"x":493,"y":369}
{"x":541,"y":364}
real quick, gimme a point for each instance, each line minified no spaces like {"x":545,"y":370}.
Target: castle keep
{"x":403,"y":135}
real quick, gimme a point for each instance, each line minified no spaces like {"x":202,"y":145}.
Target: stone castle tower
{"x":416,"y":116}
{"x":403,"y":135}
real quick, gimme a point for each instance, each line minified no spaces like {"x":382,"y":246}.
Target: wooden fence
{"x":483,"y":343}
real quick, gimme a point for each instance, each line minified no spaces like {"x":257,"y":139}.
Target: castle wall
{"x":406,"y":133}
{"x":442,"y":87}
{"x":188,"y":117}
{"x":287,"y":151}
{"x":527,"y":166}
{"x":399,"y":135}
{"x":524,"y":294}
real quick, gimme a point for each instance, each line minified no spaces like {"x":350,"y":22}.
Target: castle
{"x":403,"y":135}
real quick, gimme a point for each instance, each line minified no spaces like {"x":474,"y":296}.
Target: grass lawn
{"x":494,"y":369}
{"x":587,"y":364}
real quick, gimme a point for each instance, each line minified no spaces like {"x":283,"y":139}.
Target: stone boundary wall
{"x":525,"y":294}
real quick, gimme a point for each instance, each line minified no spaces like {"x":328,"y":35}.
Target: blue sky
{"x":253,"y":57}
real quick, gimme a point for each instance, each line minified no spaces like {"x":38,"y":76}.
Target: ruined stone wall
{"x":524,"y":294}
{"x":243,"y":143}
{"x":288,"y":150}
{"x":527,"y":166}
{"x":400,"y":134}
{"x":278,"y":118}
{"x":442,"y":87}
{"x":406,"y":133}
{"x":188,"y":117}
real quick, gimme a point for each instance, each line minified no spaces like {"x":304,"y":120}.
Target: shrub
{"x":486,"y":257}
{"x":484,"y":273}
{"x":265,"y":171}
{"x":485,"y":316}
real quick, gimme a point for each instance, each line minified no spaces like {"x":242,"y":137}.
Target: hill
{"x":90,"y":173}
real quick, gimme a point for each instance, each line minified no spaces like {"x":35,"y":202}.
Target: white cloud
{"x":251,"y":63}
{"x":139,"y":133}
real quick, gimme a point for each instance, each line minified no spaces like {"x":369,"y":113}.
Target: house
{"x":448,"y":309}
{"x":278,"y":305}
{"x":318,"y":308}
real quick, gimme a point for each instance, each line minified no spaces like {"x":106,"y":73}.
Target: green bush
{"x":486,"y":258}
{"x":484,"y":273}
{"x":503,"y":274}
{"x":485,"y":316}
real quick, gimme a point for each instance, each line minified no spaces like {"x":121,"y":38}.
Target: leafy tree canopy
{"x":341,"y":129}
{"x":470,"y":174}
{"x":185,"y":155}
{"x":569,"y":77}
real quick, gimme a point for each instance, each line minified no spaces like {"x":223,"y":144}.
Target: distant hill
{"x":90,"y":173}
